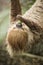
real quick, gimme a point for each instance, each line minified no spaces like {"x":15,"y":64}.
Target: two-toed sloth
{"x":29,"y":37}
{"x":21,"y":38}
{"x":17,"y":38}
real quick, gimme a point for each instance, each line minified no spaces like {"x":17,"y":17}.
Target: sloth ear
{"x":35,"y":27}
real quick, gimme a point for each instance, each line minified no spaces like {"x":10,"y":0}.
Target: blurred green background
{"x":5,"y":12}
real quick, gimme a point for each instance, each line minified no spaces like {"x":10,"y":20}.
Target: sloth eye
{"x":19,"y":25}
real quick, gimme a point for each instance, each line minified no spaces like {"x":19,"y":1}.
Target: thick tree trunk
{"x":15,"y":9}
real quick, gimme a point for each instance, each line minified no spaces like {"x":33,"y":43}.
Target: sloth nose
{"x":19,"y":25}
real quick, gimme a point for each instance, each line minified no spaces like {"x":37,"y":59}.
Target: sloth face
{"x":17,"y":36}
{"x":20,"y":38}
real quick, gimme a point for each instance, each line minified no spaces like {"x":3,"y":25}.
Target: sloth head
{"x":17,"y":36}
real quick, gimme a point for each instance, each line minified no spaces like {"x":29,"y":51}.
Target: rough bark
{"x":15,"y":9}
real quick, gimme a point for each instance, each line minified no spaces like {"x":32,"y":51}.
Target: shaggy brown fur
{"x":16,"y":38}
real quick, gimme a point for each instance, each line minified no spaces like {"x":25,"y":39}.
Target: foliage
{"x":4,"y":21}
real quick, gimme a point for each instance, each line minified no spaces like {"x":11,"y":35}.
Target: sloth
{"x":20,"y":39}
{"x":28,"y":35}
{"x":17,"y":38}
